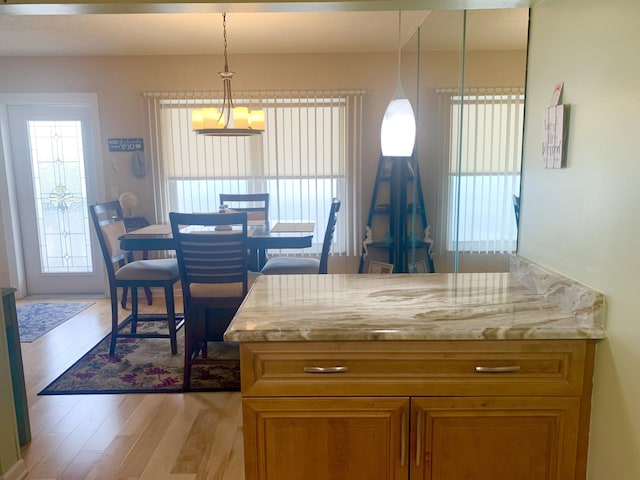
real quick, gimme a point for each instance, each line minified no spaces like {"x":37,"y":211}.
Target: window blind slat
{"x":301,"y":159}
{"x":482,"y":147}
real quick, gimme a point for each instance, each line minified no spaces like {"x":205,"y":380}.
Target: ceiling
{"x":254,"y":32}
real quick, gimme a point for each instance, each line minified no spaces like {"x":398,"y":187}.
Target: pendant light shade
{"x":398,"y":131}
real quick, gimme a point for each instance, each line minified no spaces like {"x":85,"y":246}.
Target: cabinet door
{"x":326,"y":438}
{"x":497,"y":438}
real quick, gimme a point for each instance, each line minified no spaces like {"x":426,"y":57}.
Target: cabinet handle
{"x":403,"y":442}
{"x":337,"y":369}
{"x":505,"y":369}
{"x":419,"y":438}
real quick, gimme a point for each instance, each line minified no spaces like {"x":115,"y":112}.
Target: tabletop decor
{"x":143,"y":365}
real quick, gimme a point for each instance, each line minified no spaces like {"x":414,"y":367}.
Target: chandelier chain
{"x":227,"y":120}
{"x":224,"y":34}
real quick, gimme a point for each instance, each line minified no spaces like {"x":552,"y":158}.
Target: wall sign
{"x":126,"y":145}
{"x":553,"y":136}
{"x":554,"y":130}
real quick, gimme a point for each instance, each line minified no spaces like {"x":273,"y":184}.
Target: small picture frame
{"x":421,"y":267}
{"x":379,"y":267}
{"x":387,"y":166}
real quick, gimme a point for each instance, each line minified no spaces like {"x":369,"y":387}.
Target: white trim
{"x":8,"y":200}
{"x":18,"y":471}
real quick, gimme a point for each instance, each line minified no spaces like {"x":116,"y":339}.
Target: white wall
{"x":584,"y":220}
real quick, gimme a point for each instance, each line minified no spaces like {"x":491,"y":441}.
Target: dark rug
{"x":36,"y":319}
{"x":145,"y":365}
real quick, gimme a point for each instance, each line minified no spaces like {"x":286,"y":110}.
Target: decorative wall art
{"x":554,"y":130}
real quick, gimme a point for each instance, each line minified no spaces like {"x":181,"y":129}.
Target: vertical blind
{"x":309,"y":153}
{"x":481,"y":146}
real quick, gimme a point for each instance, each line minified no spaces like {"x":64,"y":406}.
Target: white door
{"x":53,"y":165}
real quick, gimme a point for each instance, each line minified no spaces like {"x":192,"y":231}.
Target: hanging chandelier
{"x":228,"y":120}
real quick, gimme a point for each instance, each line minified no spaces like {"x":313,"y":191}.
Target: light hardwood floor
{"x":136,"y":436}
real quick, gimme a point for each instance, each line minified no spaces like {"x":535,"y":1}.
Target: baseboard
{"x":17,"y":472}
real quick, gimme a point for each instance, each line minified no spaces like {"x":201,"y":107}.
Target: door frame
{"x":13,"y":270}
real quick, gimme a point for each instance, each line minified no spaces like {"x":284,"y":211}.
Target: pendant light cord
{"x":399,"y":42}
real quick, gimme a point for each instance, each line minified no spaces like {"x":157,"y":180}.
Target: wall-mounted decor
{"x":554,"y":129}
{"x":125,"y":144}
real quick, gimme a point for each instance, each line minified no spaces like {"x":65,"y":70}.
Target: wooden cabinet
{"x":524,"y":438}
{"x":326,"y":438}
{"x":438,"y":410}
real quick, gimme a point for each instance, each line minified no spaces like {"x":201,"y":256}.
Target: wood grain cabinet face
{"x":524,"y":438}
{"x":416,"y":410}
{"x":326,"y":438}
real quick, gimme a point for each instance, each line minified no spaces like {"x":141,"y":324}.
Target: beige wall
{"x":120,"y":81}
{"x":584,"y":220}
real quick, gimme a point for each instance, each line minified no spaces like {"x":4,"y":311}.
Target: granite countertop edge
{"x":556,"y":308}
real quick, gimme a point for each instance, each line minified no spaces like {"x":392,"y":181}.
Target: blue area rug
{"x":36,"y":319}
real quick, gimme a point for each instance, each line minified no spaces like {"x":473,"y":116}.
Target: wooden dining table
{"x":261,"y":237}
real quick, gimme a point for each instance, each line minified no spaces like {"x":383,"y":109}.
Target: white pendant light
{"x":398,"y":131}
{"x":228,"y":120}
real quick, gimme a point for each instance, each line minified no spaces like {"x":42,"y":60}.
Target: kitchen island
{"x":432,"y":376}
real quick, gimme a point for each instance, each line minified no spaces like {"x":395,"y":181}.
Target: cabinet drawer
{"x":433,"y":368}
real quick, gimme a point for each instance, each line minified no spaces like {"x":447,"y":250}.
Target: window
{"x":485,"y":146}
{"x":308,"y":155}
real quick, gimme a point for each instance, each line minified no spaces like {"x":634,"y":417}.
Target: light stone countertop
{"x":527,"y":303}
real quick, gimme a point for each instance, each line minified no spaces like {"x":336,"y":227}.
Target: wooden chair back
{"x":328,"y":236}
{"x":109,"y":226}
{"x":212,"y":250}
{"x":255,"y":204}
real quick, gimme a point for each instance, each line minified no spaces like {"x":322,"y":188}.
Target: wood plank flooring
{"x":137,"y":436}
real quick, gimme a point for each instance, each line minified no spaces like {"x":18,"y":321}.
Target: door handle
{"x":419,"y":438}
{"x":403,"y":441}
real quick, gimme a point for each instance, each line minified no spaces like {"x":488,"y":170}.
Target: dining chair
{"x":125,"y":272}
{"x":298,"y":265}
{"x":211,"y":249}
{"x":131,"y":224}
{"x":255,"y":204}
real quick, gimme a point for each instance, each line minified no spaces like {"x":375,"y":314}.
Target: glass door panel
{"x":51,"y":151}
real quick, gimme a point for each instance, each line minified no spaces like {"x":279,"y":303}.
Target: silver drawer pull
{"x":506,"y":369}
{"x":337,"y":369}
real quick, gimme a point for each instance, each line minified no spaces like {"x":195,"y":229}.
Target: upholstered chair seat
{"x":156,"y":269}
{"x":303,"y":265}
{"x":291,"y":266}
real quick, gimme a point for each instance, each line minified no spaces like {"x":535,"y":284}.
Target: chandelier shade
{"x":228,"y":120}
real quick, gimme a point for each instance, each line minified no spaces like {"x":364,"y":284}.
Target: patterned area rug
{"x":145,"y":365}
{"x":36,"y":319}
